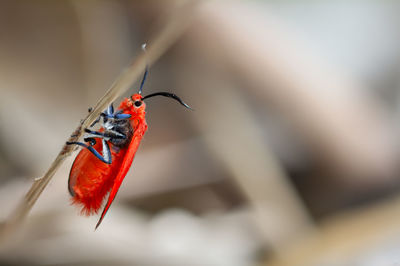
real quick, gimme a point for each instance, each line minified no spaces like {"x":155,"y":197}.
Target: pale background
{"x":290,"y":157}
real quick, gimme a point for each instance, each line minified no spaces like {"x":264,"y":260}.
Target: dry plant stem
{"x":175,"y":25}
{"x":233,"y":134}
{"x":278,"y":211}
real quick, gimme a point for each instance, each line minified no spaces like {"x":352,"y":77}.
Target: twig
{"x":175,"y":25}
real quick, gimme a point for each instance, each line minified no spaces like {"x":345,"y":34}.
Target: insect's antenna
{"x":170,"y":95}
{"x":146,"y":71}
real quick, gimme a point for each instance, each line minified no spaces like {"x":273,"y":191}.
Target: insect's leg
{"x":106,"y":134}
{"x":106,"y":158}
{"x":106,"y":152}
{"x":122,"y":116}
{"x":119,"y":115}
{"x":110,"y":111}
{"x":91,"y":140}
{"x":114,"y":134}
{"x":95,"y":121}
{"x":94,"y":134}
{"x":104,"y":115}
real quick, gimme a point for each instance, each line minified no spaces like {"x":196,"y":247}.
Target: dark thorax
{"x":122,"y":126}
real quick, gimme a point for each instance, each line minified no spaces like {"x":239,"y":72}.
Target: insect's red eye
{"x":138,"y":103}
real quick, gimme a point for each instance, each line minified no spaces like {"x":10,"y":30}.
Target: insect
{"x":107,"y":154}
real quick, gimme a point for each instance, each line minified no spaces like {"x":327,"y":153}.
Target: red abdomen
{"x":90,"y":179}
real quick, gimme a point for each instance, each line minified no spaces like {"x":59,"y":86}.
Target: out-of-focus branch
{"x":174,"y":26}
{"x":233,"y":137}
{"x":345,"y":127}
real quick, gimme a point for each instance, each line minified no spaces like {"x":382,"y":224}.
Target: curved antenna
{"x":145,"y":71}
{"x":170,"y":95}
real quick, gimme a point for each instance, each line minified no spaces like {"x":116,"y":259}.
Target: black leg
{"x":104,"y":115}
{"x":109,"y":113}
{"x":92,"y":141}
{"x":105,"y":158}
{"x":106,"y":134}
{"x":110,"y":110}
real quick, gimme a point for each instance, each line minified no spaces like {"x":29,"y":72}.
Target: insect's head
{"x":137,"y":102}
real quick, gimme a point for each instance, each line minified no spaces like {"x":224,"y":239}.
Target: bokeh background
{"x":290,"y":157}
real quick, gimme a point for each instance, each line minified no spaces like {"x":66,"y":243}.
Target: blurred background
{"x":290,"y":157}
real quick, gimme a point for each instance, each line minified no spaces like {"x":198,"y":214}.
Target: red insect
{"x":108,"y":153}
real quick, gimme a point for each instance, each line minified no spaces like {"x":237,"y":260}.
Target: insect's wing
{"x":80,"y":162}
{"x":73,"y":177}
{"x":126,"y":164}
